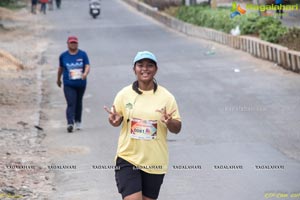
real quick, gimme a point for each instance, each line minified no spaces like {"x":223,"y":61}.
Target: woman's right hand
{"x":115,"y":119}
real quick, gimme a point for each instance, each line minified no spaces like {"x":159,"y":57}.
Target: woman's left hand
{"x":173,"y":125}
{"x":165,"y":117}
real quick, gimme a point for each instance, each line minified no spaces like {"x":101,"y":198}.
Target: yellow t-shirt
{"x":143,"y":137}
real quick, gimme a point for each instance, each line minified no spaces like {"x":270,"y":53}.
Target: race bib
{"x":75,"y":74}
{"x":143,"y":129}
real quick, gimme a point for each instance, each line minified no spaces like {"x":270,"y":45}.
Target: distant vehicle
{"x":95,"y":8}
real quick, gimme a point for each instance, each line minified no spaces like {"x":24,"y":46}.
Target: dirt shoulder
{"x":23,"y":158}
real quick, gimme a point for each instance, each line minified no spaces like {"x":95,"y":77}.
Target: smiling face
{"x":145,"y":70}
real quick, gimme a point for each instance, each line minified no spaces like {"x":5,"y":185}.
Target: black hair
{"x":135,"y":86}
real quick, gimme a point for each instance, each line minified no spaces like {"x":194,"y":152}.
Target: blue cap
{"x":144,"y":55}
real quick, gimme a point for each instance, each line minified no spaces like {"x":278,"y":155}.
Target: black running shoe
{"x":70,"y":128}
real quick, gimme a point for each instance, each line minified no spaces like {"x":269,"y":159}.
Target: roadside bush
{"x":271,"y":30}
{"x":163,"y":4}
{"x":272,"y":33}
{"x":188,"y":14}
{"x":204,"y":16}
{"x":248,"y":24}
{"x":267,"y":28}
{"x":291,"y":39}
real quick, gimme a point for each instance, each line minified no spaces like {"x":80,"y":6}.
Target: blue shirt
{"x":73,"y":68}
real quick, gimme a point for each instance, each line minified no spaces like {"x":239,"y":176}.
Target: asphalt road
{"x":238,"y":112}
